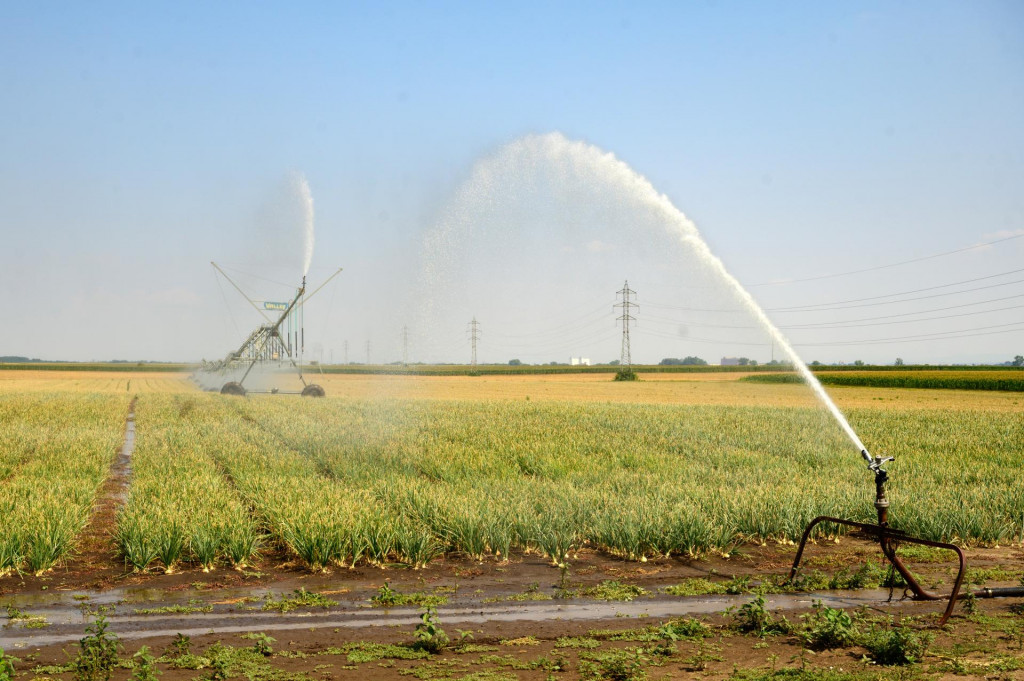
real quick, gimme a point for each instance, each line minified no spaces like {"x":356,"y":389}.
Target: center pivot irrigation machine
{"x":889,"y":539}
{"x":276,"y":344}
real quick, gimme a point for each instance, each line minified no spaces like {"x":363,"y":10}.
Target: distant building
{"x":730,"y":361}
{"x":579,"y":361}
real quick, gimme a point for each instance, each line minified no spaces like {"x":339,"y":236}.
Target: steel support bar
{"x":887,"y":538}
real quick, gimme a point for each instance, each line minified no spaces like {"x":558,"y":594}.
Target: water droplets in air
{"x":538,"y":207}
{"x":304,"y":197}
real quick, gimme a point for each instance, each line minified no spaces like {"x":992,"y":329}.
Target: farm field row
{"x":379,"y":478}
{"x":1011,"y":380}
{"x":338,"y":481}
{"x":680,"y":388}
{"x":108,"y":382}
{"x":55,"y":452}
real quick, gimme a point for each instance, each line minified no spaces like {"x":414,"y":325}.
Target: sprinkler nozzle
{"x":867,"y":457}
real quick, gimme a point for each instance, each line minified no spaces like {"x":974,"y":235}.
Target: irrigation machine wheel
{"x":313,"y":390}
{"x":233,"y":388}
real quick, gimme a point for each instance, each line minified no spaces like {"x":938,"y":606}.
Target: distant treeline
{"x":37,"y":365}
{"x":504,"y":369}
{"x":949,"y":378}
{"x":775,"y":373}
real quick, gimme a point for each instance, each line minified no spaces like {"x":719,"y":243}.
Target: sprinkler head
{"x":879,"y":461}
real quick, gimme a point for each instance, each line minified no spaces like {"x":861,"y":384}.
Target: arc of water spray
{"x":301,"y":187}
{"x":581,"y":156}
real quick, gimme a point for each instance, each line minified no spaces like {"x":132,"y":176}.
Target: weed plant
{"x":98,"y":652}
{"x":6,"y":667}
{"x":430,"y":637}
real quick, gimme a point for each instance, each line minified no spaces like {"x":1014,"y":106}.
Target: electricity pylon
{"x":405,"y":345}
{"x":474,"y":336}
{"x":627,"y":304}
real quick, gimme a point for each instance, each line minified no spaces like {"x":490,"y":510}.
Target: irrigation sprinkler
{"x":889,"y":539}
{"x":274,"y":344}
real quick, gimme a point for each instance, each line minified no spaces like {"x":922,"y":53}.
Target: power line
{"x":843,"y":306}
{"x":557,"y":347}
{"x":936,"y":335}
{"x":697,"y":339}
{"x":891,"y":265}
{"x":918,"y":290}
{"x":835,"y":325}
{"x":910,"y":314}
{"x":586,"y":320}
{"x":854,"y":323}
{"x":967,"y":333}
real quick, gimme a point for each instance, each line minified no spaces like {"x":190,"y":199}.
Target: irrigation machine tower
{"x":278,"y":343}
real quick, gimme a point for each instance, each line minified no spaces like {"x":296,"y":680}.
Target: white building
{"x":579,"y":361}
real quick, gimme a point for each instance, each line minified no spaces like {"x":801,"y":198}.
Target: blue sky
{"x":140,"y":141}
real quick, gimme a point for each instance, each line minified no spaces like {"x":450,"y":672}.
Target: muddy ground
{"x":522,"y":619}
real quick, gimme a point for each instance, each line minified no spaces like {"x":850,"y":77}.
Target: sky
{"x":858,"y":167}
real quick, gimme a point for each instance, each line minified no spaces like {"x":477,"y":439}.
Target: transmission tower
{"x":474,"y":336}
{"x":405,"y":345}
{"x":627,"y":304}
{"x":346,"y":352}
{"x":367,"y":352}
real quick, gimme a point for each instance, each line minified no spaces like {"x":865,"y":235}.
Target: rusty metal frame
{"x":888,"y":538}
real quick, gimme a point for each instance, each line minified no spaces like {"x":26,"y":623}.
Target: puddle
{"x":67,"y":619}
{"x":121,"y":471}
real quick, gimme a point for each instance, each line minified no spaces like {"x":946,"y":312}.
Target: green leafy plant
{"x":896,"y":646}
{"x":617,"y":665}
{"x":753,"y":618}
{"x":97,"y":652}
{"x":430,"y":637}
{"x":144,"y":668}
{"x":687,"y":628}
{"x":828,"y":628}
{"x":387,"y":597}
{"x":300,"y":598}
{"x":613,"y":590}
{"x":181,"y":645}
{"x":262,"y":643}
{"x":6,"y":667}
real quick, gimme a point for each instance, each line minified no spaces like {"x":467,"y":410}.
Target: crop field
{"x":1011,"y":380}
{"x":92,"y":381}
{"x":382,"y":477}
{"x":55,"y":452}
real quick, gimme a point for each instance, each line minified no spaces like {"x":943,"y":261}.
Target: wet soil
{"x":491,"y":600}
{"x":95,"y":551}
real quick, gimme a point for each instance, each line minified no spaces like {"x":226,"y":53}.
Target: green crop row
{"x":55,"y":452}
{"x":180,"y":505}
{"x":1012,"y":381}
{"x":638,"y":481}
{"x":345,"y":481}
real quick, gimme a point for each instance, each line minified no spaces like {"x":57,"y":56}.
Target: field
{"x":1008,"y":379}
{"x":400,"y":469}
{"x":490,"y":493}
